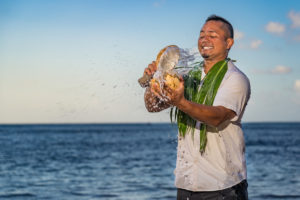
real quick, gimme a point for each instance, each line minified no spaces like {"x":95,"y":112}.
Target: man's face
{"x":213,"y":42}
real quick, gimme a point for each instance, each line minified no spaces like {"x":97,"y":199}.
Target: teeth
{"x":207,"y":48}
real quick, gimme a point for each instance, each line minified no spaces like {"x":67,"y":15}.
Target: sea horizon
{"x":132,"y":123}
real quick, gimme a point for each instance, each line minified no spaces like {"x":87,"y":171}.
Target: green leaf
{"x":171,"y":114}
{"x":203,"y":138}
{"x":206,"y":95}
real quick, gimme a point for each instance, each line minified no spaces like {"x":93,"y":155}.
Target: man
{"x":220,"y":172}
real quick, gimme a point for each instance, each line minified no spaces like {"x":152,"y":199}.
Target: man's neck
{"x":208,"y":64}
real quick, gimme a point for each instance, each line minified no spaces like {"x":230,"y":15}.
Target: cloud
{"x":288,"y":32}
{"x":295,"y":17}
{"x":238,"y":35}
{"x":280,"y":69}
{"x":249,"y":44}
{"x":297,"y":85}
{"x":255,"y":44}
{"x":275,"y":27}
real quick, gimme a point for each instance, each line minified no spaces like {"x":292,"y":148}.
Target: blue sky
{"x":79,"y":61}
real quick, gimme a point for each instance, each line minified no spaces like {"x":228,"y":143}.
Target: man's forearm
{"x":211,"y":115}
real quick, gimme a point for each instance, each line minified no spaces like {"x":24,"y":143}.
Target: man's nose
{"x":203,"y":38}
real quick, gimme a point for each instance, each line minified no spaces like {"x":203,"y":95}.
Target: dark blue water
{"x":131,"y":161}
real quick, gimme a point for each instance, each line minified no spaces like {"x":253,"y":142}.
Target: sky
{"x":79,"y":61}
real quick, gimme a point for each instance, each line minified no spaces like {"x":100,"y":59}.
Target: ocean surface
{"x":131,"y":161}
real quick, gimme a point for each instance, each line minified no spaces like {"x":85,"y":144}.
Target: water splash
{"x":174,"y":65}
{"x":187,"y":57}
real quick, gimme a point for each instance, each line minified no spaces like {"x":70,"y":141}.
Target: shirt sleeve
{"x":234,"y":93}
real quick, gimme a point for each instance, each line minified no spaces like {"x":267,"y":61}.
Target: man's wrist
{"x":182,"y":104}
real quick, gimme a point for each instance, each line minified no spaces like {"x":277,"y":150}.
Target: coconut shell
{"x":169,"y":52}
{"x":172,"y":81}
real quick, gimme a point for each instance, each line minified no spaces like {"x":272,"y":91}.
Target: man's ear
{"x":229,"y":42}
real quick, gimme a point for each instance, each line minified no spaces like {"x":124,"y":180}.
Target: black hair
{"x":221,"y":19}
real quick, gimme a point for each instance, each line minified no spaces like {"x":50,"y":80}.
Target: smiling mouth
{"x":206,"y":48}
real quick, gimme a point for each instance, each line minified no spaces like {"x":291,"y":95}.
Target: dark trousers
{"x":237,"y":192}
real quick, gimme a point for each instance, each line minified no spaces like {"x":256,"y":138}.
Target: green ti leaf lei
{"x":201,"y":95}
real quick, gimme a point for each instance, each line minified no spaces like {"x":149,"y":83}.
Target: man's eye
{"x":213,"y":36}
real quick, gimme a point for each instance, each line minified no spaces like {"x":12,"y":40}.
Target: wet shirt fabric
{"x":223,"y":164}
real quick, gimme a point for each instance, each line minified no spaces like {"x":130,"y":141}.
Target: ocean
{"x":131,"y":161}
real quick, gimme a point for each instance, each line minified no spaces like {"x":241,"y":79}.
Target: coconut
{"x":172,"y":81}
{"x":166,"y":60}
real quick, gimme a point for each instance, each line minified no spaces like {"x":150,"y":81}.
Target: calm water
{"x":131,"y":161}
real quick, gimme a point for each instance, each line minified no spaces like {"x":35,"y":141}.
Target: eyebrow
{"x":208,"y":31}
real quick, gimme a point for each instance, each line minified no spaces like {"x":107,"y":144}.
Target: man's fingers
{"x":181,"y":79}
{"x":151,"y":69}
{"x":154,"y":65}
{"x":147,"y":71}
{"x":168,"y":89}
{"x":156,"y":93}
{"x":181,"y":84}
{"x":155,"y":89}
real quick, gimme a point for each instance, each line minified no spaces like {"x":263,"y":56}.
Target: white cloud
{"x":255,"y":44}
{"x":275,"y":27}
{"x":297,"y":85}
{"x":280,"y":69}
{"x":295,"y":17}
{"x":238,"y":35}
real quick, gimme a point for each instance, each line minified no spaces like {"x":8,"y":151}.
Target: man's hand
{"x":167,"y":94}
{"x":151,"y":69}
{"x":211,"y":115}
{"x":154,"y":102}
{"x":156,"y":91}
{"x":174,"y":96}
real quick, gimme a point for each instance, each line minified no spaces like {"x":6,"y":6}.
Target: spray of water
{"x":176,"y":62}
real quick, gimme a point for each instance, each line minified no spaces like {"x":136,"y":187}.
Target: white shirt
{"x":223,"y":163}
